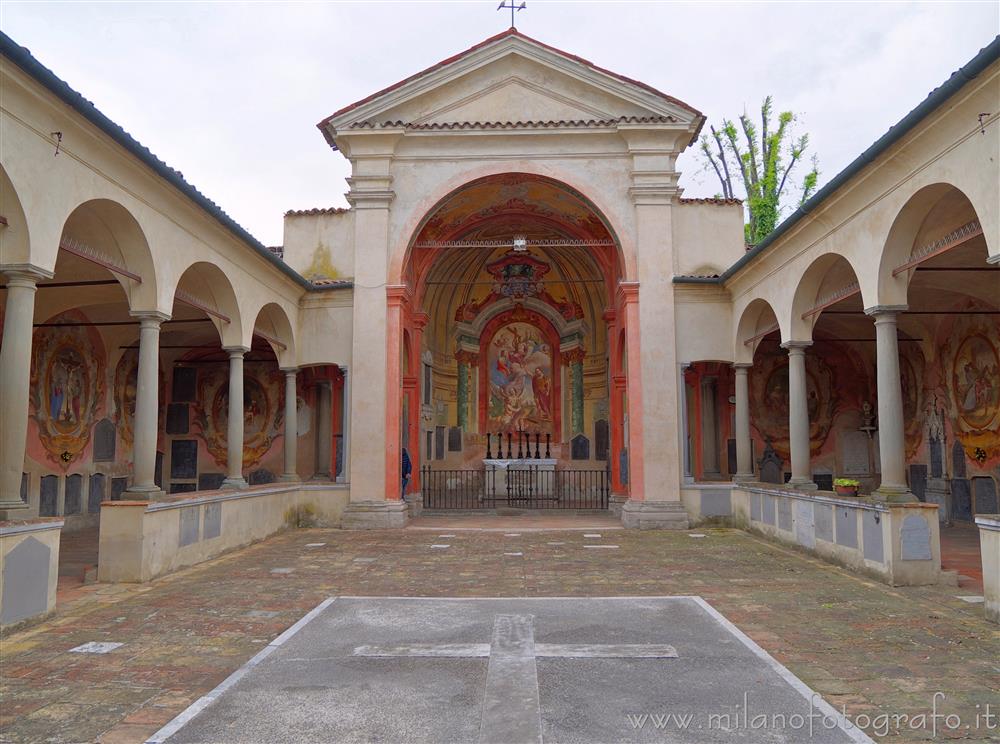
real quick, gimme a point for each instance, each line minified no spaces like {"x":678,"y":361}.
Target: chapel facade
{"x":519,"y":297}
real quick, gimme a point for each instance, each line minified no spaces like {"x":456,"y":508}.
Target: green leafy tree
{"x":760,"y":161}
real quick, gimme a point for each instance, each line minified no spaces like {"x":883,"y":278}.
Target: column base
{"x":145,"y":494}
{"x":744,"y":478}
{"x":654,"y":515}
{"x":803,"y":484}
{"x":322,"y":477}
{"x":615,"y":503}
{"x":235,"y":484}
{"x":13,"y":506}
{"x":375,"y":515}
{"x":895,"y":495}
{"x":289,"y":478}
{"x":416,"y":504}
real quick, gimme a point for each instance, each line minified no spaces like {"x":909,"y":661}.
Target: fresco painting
{"x":520,"y":380}
{"x":974,"y":374}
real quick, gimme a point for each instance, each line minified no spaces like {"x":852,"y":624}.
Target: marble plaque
{"x":25,"y":581}
{"x":961,"y":499}
{"x":213,"y":521}
{"x":602,"y":439}
{"x":871,"y":536}
{"x":915,"y":539}
{"x":184,"y":458}
{"x":189,"y":525}
{"x":785,"y":514}
{"x":177,"y":418}
{"x":823,"y":481}
{"x":439,"y":442}
{"x":580,"y":448}
{"x":805,"y":527}
{"x":184,"y":384}
{"x":918,"y":480}
{"x":984,"y":492}
{"x":158,"y":470}
{"x":936,"y":448}
{"x":25,"y":477}
{"x":454,"y":439}
{"x":72,"y":503}
{"x":118,"y":487}
{"x":716,"y":503}
{"x":755,"y":507}
{"x":855,"y":452}
{"x":183,"y":487}
{"x":104,"y":441}
{"x":771,"y":466}
{"x":823,"y":515}
{"x":261,"y":477}
{"x":958,"y":463}
{"x":767,"y":516}
{"x":731,"y":463}
{"x":847,"y":527}
{"x":96,"y":493}
{"x":210,"y":481}
{"x":48,"y":496}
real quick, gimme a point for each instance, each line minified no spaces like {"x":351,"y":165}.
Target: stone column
{"x":324,"y":430}
{"x":345,"y":428}
{"x":291,"y":426}
{"x":574,"y":358}
{"x":710,"y":464}
{"x":15,"y":373}
{"x":685,"y":424}
{"x":744,"y":460}
{"x":463,"y":394}
{"x":892,"y":448}
{"x":798,"y":415}
{"x":147,"y":405}
{"x":234,"y":458}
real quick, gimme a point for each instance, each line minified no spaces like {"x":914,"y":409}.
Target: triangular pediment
{"x":511,"y":78}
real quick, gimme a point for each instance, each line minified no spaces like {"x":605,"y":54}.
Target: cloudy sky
{"x":229,"y":92}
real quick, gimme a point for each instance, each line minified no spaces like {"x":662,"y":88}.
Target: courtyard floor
{"x":865,"y":646}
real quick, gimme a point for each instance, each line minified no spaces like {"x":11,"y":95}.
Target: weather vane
{"x":513,"y":9}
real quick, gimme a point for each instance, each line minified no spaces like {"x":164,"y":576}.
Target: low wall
{"x":989,"y":546}
{"x":29,"y":569}
{"x":897,"y":543}
{"x":706,"y":501}
{"x":140,"y":540}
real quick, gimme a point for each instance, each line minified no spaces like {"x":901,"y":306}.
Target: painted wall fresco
{"x":68,"y":368}
{"x":970,"y":357}
{"x":520,"y":380}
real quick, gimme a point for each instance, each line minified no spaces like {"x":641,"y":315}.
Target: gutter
{"x":23,"y":59}
{"x":987,"y":56}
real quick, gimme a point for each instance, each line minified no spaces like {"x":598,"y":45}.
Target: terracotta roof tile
{"x":530,"y":124}
{"x":316,"y":210}
{"x":710,"y":200}
{"x":332,"y":283}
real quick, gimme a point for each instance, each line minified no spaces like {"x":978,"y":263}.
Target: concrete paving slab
{"x":512,"y":670}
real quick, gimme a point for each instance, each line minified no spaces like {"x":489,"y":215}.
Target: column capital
{"x":573,"y":356}
{"x":420,"y":320}
{"x":993,"y":259}
{"x":236,"y":351}
{"x":609,"y":315}
{"x":628,"y":292}
{"x":742,"y":367}
{"x":397,"y":294}
{"x":289,"y":371}
{"x":878,"y":310}
{"x":796,"y":347}
{"x":21,"y":275}
{"x":149,"y":317}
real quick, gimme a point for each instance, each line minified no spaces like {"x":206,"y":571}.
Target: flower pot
{"x":846,"y":490}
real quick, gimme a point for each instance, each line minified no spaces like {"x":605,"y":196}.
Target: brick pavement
{"x":861,"y":644}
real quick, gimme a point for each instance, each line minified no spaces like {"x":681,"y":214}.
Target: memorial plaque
{"x":184,"y":458}
{"x":104,"y":441}
{"x":918,"y":480}
{"x":213,"y":521}
{"x":767,"y":515}
{"x":755,"y":507}
{"x":158,"y":470}
{"x":25,"y":478}
{"x":847,"y":527}
{"x":177,"y":418}
{"x":823,"y":481}
{"x":958,"y":464}
{"x":602,"y":439}
{"x":579,"y":448}
{"x":716,"y":503}
{"x":771,"y":466}
{"x":785,"y":514}
{"x":210,"y":481}
{"x":871,"y":536}
{"x":915,"y":539}
{"x":823,"y":515}
{"x":984,"y":492}
{"x":961,"y":499}
{"x":96,"y":493}
{"x":937,"y":457}
{"x":184,"y":384}
{"x":439,"y":442}
{"x":183,"y":487}
{"x":338,"y":443}
{"x":855,"y":453}
{"x":429,"y":451}
{"x":118,"y":487}
{"x":72,"y":503}
{"x":48,"y":496}
{"x":190,"y":524}
{"x":805,"y":527}
{"x":261,"y":477}
{"x":623,"y":465}
{"x":455,"y":439}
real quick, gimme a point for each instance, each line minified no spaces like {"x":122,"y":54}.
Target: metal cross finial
{"x":513,"y":9}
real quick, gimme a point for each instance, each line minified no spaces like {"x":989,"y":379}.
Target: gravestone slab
{"x":25,"y":581}
{"x":118,"y":487}
{"x":158,"y":470}
{"x":805,"y":527}
{"x":48,"y":496}
{"x":72,"y":501}
{"x":455,"y":439}
{"x":602,"y":439}
{"x":579,"y":448}
{"x":785,"y":514}
{"x":914,"y":539}
{"x":984,"y":492}
{"x":261,"y":477}
{"x":25,"y":478}
{"x":755,"y":515}
{"x":767,"y":516}
{"x":958,"y":461}
{"x":338,"y":443}
{"x":439,"y":442}
{"x":210,"y":481}
{"x":716,"y":503}
{"x":105,"y":438}
{"x":961,"y":499}
{"x":731,"y":463}
{"x":871,"y":536}
{"x":96,"y":493}
{"x":918,"y":480}
{"x":846,"y":522}
{"x":855,"y":453}
{"x":183,"y":487}
{"x":823,"y":515}
{"x":190,"y":517}
{"x":184,"y":458}
{"x":936,"y":448}
{"x":212,"y":521}
{"x":177,"y":418}
{"x":623,"y":465}
{"x":823,"y":481}
{"x":184,"y":384}
{"x":771,"y":466}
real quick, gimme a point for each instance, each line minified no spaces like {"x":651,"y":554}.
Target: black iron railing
{"x":533,"y":487}
{"x":457,"y":489}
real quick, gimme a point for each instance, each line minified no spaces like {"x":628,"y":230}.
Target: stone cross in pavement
{"x":511,"y":711}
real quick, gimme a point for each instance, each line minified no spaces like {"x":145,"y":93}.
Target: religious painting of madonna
{"x":520,"y":380}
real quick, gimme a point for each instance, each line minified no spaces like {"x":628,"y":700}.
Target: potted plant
{"x":846,"y":486}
